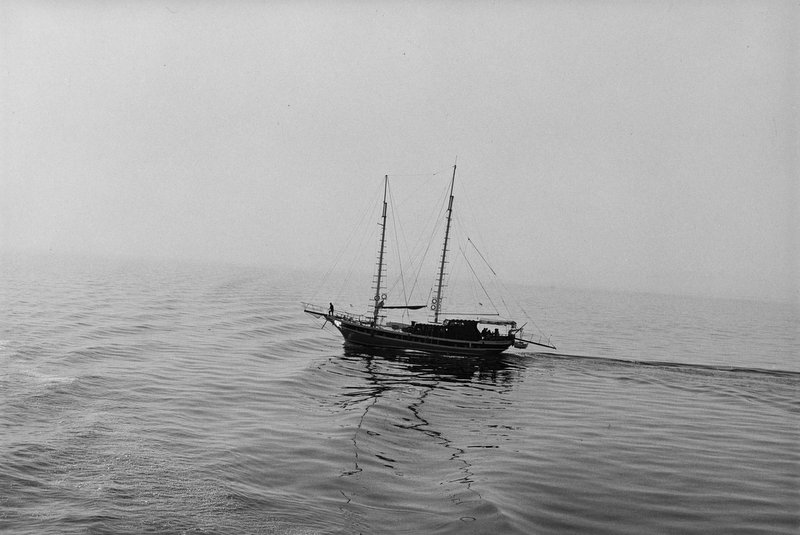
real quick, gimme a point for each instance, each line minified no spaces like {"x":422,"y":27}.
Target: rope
{"x":477,"y":279}
{"x":368,"y":208}
{"x":482,"y":257}
{"x":395,"y":224}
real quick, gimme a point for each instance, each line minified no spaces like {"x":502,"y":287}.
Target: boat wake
{"x":667,"y":365}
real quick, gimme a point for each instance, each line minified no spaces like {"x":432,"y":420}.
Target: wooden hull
{"x":382,"y":337}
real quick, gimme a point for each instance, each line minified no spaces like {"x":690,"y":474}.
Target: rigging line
{"x":333,"y":266}
{"x":401,"y":246}
{"x":434,"y":230}
{"x":478,"y":224}
{"x":395,"y":202}
{"x":363,"y":232}
{"x":423,"y":243}
{"x":476,"y":298}
{"x":411,"y":193}
{"x":395,"y":224}
{"x":508,"y":311}
{"x":468,"y":202}
{"x":478,"y":280}
{"x":530,"y":319}
{"x":429,"y":221}
{"x":402,"y":175}
{"x":505,"y":291}
{"x":496,"y":279}
{"x":482,"y":257}
{"x":541,"y":333}
{"x":423,"y":174}
{"x":422,"y":259}
{"x":367,"y":208}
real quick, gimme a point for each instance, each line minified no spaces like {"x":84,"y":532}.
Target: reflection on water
{"x":493,"y":370}
{"x":418,"y":374}
{"x":546,"y":442}
{"x":390,"y":405}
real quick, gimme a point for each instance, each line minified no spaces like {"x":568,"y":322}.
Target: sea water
{"x":142,"y":396}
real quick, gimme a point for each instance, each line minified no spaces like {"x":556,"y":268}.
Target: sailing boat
{"x":455,"y":336}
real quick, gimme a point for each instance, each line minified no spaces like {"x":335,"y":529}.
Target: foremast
{"x":377,"y":299}
{"x":437,"y":304}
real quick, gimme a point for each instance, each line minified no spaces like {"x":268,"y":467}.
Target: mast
{"x":377,"y":298}
{"x":438,"y":304}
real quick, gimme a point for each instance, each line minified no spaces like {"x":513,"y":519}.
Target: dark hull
{"x":382,"y":337}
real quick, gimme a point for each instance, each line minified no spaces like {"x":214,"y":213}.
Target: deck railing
{"x":361,"y":318}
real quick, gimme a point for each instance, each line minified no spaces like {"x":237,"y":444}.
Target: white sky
{"x":634,"y":145}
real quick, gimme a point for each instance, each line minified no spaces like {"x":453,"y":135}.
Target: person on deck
{"x":330,"y":310}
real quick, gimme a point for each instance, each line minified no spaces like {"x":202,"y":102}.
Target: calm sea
{"x":145,"y":397}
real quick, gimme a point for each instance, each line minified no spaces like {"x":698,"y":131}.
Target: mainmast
{"x":377,"y":298}
{"x":438,"y":304}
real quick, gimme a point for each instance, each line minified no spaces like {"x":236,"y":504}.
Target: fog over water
{"x":141,"y":397}
{"x":645,"y":147}
{"x":176,"y":177}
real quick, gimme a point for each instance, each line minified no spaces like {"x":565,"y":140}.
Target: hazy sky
{"x":637,"y":145}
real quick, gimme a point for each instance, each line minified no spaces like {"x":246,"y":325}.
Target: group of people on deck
{"x":486,"y":333}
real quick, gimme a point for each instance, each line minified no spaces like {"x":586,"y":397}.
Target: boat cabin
{"x":458,"y":329}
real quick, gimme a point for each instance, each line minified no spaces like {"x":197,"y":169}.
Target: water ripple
{"x":145,"y":398}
